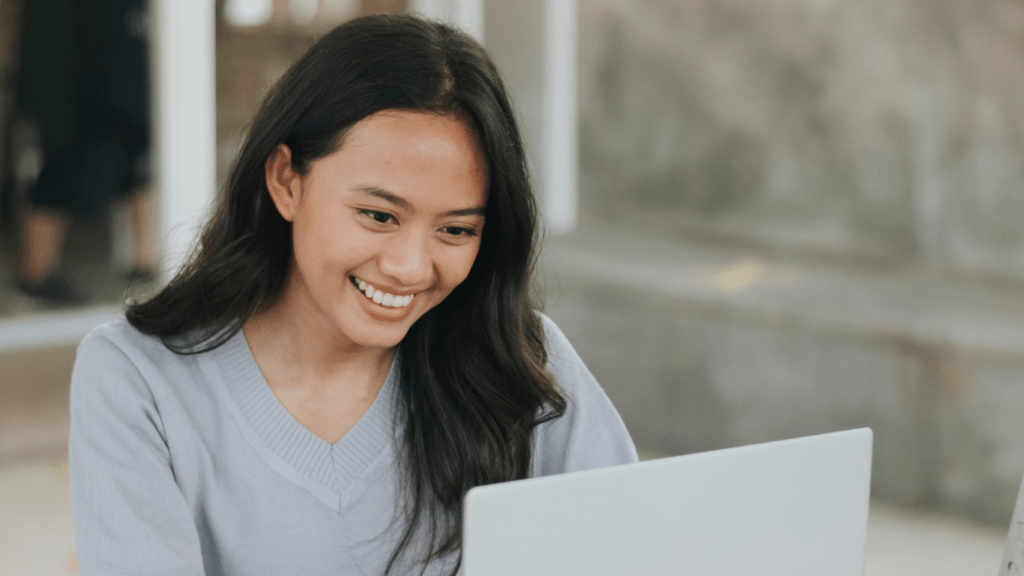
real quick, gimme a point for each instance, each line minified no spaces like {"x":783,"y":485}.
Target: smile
{"x":382,"y":298}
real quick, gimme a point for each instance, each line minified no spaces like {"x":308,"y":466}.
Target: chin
{"x":369,"y":338}
{"x":369,"y":333}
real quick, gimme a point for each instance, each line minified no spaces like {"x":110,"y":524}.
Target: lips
{"x":385,"y":299}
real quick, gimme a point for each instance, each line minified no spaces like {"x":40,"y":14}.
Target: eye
{"x":378,"y":216}
{"x":459,"y":231}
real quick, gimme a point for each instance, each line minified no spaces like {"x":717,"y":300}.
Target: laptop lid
{"x":789,"y":508}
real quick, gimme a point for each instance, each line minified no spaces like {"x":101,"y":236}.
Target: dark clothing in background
{"x":84,"y":79}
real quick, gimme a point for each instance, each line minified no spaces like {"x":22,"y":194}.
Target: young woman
{"x":352,"y":346}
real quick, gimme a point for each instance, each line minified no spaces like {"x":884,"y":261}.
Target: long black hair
{"x":473,"y":379}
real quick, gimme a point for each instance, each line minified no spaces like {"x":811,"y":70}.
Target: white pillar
{"x":466,"y":14}
{"x":561,"y":164}
{"x":184,"y":142}
{"x":534,"y":43}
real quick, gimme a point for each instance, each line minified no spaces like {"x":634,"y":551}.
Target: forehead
{"x":412,"y":152}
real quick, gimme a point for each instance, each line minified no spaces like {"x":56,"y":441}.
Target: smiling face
{"x":384,"y":228}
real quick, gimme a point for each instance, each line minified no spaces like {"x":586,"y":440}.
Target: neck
{"x":298,"y":348}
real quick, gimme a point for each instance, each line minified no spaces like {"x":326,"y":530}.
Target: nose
{"x":406,"y":258}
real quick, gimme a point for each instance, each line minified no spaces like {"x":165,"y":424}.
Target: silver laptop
{"x":790,"y":508}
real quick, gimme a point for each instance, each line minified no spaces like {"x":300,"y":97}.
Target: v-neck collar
{"x":326,"y":470}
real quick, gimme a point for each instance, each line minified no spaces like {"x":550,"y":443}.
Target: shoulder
{"x":113,"y":345}
{"x":564,"y":363}
{"x":121,"y":439}
{"x":118,"y":333}
{"x":569,"y":370}
{"x":591,"y":433}
{"x":560,"y":351}
{"x":117,"y":339}
{"x":128,"y":384}
{"x":116,"y":359}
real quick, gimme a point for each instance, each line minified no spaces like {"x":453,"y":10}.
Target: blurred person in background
{"x":84,"y":82}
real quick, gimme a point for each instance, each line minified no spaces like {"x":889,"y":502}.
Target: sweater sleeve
{"x":591,"y":433}
{"x":131,"y":519}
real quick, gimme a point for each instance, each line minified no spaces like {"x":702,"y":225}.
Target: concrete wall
{"x":703,"y":347}
{"x":868,"y":127}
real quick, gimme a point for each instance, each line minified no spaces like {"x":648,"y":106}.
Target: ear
{"x":283,"y":182}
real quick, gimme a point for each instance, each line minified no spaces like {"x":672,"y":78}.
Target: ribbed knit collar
{"x":328,"y":471}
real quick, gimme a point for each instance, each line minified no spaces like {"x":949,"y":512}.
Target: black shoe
{"x":54,"y":289}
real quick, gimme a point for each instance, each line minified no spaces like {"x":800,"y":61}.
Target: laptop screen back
{"x":790,"y":508}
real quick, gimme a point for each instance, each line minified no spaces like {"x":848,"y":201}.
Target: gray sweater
{"x":187,"y":465}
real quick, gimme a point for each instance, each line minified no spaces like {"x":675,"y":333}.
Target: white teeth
{"x":382,"y":298}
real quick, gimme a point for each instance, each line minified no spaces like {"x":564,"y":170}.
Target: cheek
{"x":309,"y":252}
{"x":461,"y":263}
{"x":322,"y":243}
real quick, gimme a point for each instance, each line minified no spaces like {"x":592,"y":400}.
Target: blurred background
{"x":768,"y":219}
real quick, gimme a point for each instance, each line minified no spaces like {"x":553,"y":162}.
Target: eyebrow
{"x":378,"y":192}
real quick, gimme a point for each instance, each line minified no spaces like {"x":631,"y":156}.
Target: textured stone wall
{"x":875,"y":127}
{"x":703,"y":348}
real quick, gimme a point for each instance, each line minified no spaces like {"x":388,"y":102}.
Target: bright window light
{"x":244,"y":13}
